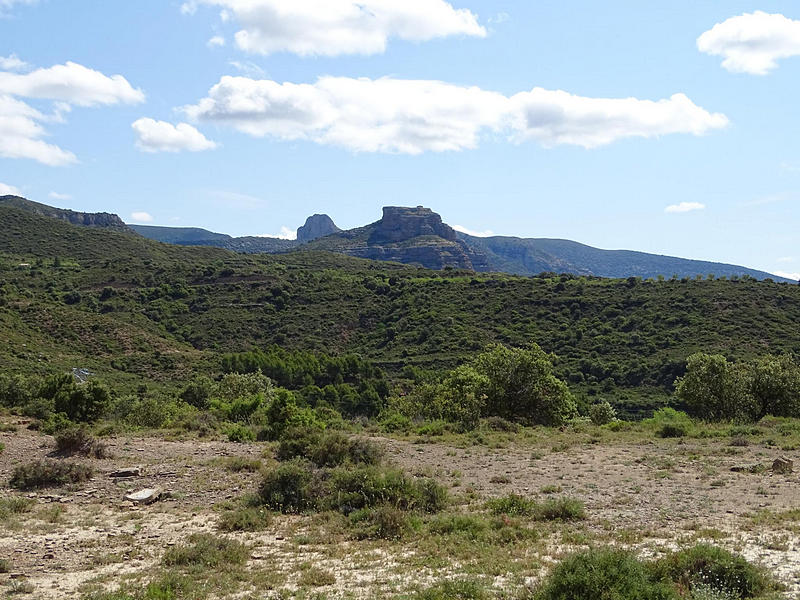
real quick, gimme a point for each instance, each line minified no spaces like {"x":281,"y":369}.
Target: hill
{"x":102,"y":220}
{"x":135,"y":310}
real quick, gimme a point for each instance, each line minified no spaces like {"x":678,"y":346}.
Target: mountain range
{"x":418,"y":236}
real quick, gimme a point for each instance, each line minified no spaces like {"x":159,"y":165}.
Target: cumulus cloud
{"x":285,"y":234}
{"x":71,"y":83}
{"x":22,"y":126}
{"x":216,"y":42}
{"x":414,"y":116}
{"x":752,"y":42}
{"x":336,"y":27}
{"x":684,"y":207}
{"x":58,"y":196}
{"x":160,"y":136}
{"x":142,"y":217}
{"x":462,"y":229}
{"x":12,"y":63}
{"x":9,"y":190}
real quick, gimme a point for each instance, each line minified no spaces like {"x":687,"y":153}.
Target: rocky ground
{"x":641,"y":493}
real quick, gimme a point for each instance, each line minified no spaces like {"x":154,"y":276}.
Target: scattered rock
{"x":145,"y":496}
{"x":782,"y":465}
{"x":126,"y":472}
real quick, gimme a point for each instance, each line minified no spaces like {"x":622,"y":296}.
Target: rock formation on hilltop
{"x":102,"y":219}
{"x":400,"y":223}
{"x":316,"y":226}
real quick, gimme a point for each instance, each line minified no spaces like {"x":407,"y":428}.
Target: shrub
{"x":56,"y":422}
{"x":382,"y":522}
{"x":775,"y":385}
{"x":288,"y":487}
{"x":5,"y":566}
{"x":238,"y":432}
{"x":42,"y":474}
{"x":707,"y":565}
{"x":82,"y":403}
{"x":501,"y":424}
{"x":602,"y":413}
{"x":453,"y":590}
{"x":670,"y":423}
{"x":283,"y":413}
{"x":79,"y":440}
{"x":521,"y":386}
{"x":603,"y":574}
{"x":470,"y":526}
{"x":512,"y":504}
{"x":206,"y":550}
{"x":560,"y":509}
{"x":392,"y":420}
{"x":367,"y":486}
{"x":715,"y":390}
{"x":328,"y":449}
{"x":14,"y":505}
{"x":247,"y":518}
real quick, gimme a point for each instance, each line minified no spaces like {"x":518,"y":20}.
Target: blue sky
{"x":529,"y":118}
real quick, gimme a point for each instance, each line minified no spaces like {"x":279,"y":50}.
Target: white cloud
{"x":285,"y":234}
{"x":71,"y":83}
{"x":683,"y":207}
{"x":247,"y":68}
{"x":9,"y":190}
{"x":752,"y":42}
{"x":57,"y":196}
{"x":21,"y":125}
{"x":21,"y":132}
{"x":216,"y":42}
{"x":462,"y":229}
{"x":142,"y":217}
{"x":795,"y":276}
{"x":414,"y":116}
{"x":160,"y":136}
{"x":336,"y":27}
{"x":12,"y":63}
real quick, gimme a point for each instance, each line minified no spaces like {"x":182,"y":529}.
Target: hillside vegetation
{"x":132,"y":309}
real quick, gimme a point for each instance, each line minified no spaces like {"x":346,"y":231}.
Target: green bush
{"x":289,"y":487}
{"x":602,"y":413}
{"x":14,"y":505}
{"x":715,"y":568}
{"x":327,"y":449}
{"x":237,"y":432}
{"x":715,"y":390}
{"x":381,"y":522}
{"x":82,"y":403}
{"x":79,"y":440}
{"x":282,"y":413}
{"x":246,"y":518}
{"x":55,"y":423}
{"x":670,"y":423}
{"x":454,"y":590}
{"x":555,"y":509}
{"x":207,"y":551}
{"x":521,"y":386}
{"x":775,"y":385}
{"x":603,"y":575}
{"x":47,"y":473}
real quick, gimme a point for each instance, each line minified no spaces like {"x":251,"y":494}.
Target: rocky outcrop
{"x":316,"y":226}
{"x":400,"y":223}
{"x":102,"y":220}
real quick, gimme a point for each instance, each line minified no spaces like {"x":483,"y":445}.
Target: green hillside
{"x":135,"y":310}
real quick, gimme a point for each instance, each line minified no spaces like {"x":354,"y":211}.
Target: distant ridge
{"x":103,"y":220}
{"x":418,"y":236}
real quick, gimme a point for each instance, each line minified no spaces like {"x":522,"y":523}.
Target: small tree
{"x":775,"y":385}
{"x":521,"y":386}
{"x":715,"y":390}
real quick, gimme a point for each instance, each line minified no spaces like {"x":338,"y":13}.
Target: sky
{"x":668,"y":129}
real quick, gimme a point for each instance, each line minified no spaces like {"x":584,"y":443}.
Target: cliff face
{"x":103,"y":220}
{"x":410,"y":236}
{"x":401,"y":223}
{"x":316,"y":226}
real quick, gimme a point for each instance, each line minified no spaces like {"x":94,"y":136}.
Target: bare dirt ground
{"x":645,"y":494}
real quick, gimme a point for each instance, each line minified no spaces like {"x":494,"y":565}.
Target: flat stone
{"x":145,"y":496}
{"x":126,"y":472}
